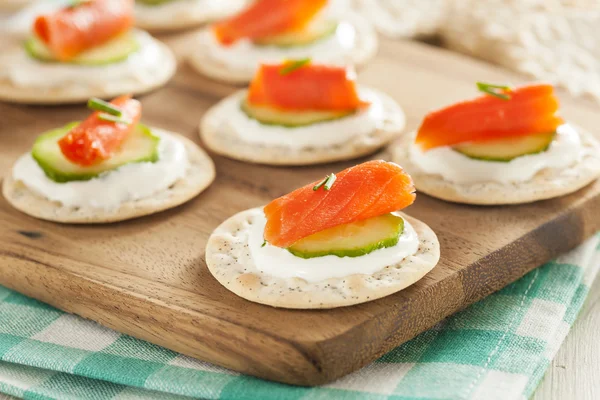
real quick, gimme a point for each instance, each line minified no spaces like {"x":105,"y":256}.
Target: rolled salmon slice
{"x":308,"y":87}
{"x":266,"y":18}
{"x":71,"y":30}
{"x":367,"y":190}
{"x":95,"y":140}
{"x":530,"y":109}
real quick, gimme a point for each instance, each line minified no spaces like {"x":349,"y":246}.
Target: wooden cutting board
{"x":148,"y":278}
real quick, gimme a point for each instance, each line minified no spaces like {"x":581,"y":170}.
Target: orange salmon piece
{"x":95,"y":140}
{"x":309,"y":87}
{"x":531,"y":109}
{"x":367,"y":190}
{"x":266,"y":18}
{"x":71,"y":30}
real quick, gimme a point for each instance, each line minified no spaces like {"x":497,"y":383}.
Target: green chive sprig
{"x":326,"y":183}
{"x":293,"y":65}
{"x":498,"y":91}
{"x":104,"y":106}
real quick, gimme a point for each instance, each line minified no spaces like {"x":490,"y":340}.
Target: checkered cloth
{"x":498,"y":348}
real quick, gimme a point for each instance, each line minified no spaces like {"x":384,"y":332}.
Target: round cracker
{"x":230,"y":144}
{"x":199,"y":14}
{"x":229,"y":260}
{"x":67,"y":94}
{"x":199,"y":176}
{"x":546,"y":184}
{"x":366,"y":48}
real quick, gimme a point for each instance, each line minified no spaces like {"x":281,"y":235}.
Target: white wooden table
{"x":575,"y":371}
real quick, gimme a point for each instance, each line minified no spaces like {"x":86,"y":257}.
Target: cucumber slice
{"x":318,"y":30}
{"x":117,"y":49}
{"x":140,"y":146}
{"x":506,"y":149}
{"x":291,"y":119}
{"x":351,"y":240}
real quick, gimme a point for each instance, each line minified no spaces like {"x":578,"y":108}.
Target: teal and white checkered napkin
{"x":498,"y":348}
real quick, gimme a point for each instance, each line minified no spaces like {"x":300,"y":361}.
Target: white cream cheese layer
{"x":279,"y":262}
{"x":177,"y":11}
{"x":245,"y":56}
{"x":564,"y":151}
{"x":141,"y":66}
{"x":110,"y":190}
{"x":326,"y":133}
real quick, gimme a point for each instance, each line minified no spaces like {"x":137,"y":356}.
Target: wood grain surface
{"x":148,"y":278}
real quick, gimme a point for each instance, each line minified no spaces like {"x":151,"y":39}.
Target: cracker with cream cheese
{"x":200,"y":174}
{"x":546,"y":184}
{"x":229,"y":260}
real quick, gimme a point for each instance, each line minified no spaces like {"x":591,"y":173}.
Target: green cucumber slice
{"x":318,"y":30}
{"x":506,"y":149}
{"x":351,"y":240}
{"x":290,"y":119}
{"x":117,"y":49}
{"x":140,"y":146}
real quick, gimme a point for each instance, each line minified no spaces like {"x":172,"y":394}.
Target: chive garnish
{"x":490,"y":89}
{"x":264,"y":244}
{"x":113,"y":118}
{"x":293,"y":65}
{"x":326,"y":183}
{"x":101,"y":105}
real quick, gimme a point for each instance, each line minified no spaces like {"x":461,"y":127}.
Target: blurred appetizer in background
{"x":169,"y":15}
{"x":335,"y":242}
{"x":508,"y":146}
{"x":272,"y":30}
{"x":87,"y":49}
{"x":17,"y":26}
{"x":13,"y":5}
{"x":300,"y":113}
{"x":110,"y":167}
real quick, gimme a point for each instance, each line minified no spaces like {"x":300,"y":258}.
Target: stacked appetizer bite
{"x":272,"y":30}
{"x":87,"y":49}
{"x":300,"y":113}
{"x":332,"y":243}
{"x":107,"y":168}
{"x":167,"y":15}
{"x":508,"y":146}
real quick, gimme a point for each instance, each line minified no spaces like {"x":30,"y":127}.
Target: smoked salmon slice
{"x":266,"y":18}
{"x":529,"y":109}
{"x":367,"y":190}
{"x":71,"y":30}
{"x":95,"y":140}
{"x":308,"y":87}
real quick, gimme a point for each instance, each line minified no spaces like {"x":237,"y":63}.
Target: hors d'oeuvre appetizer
{"x":332,"y":243}
{"x":170,"y":15}
{"x":299,"y":113}
{"x":508,"y":146}
{"x":107,"y":168}
{"x":271,"y":30}
{"x":87,"y":49}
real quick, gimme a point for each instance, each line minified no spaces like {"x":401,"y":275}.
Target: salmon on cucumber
{"x":275,"y":22}
{"x":504,"y":124}
{"x":85,"y":32}
{"x":108,"y":139}
{"x":299,"y":93}
{"x":345,"y":214}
